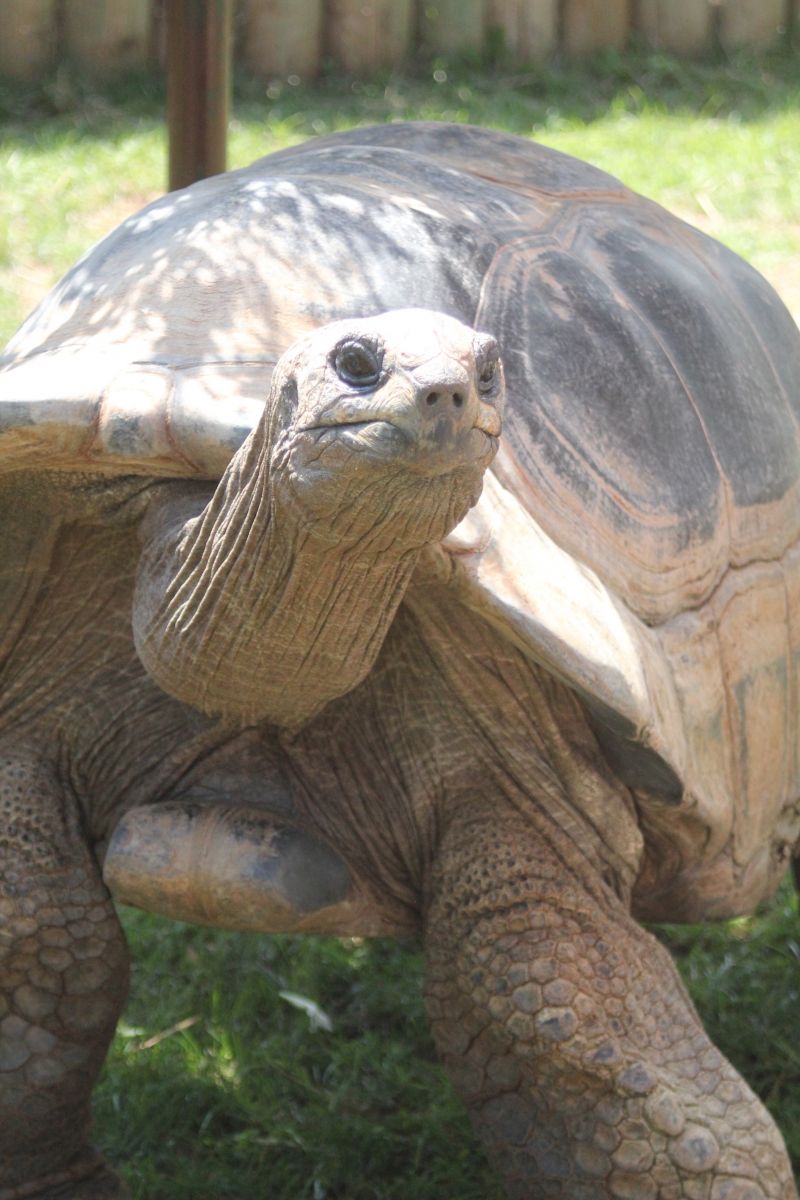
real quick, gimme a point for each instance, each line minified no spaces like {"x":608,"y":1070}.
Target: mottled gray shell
{"x":638,"y":532}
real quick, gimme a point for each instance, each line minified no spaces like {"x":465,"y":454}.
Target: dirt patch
{"x":110,"y":215}
{"x":785,"y":278}
{"x":27,"y":285}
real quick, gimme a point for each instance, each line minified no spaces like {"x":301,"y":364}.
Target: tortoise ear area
{"x":284,"y":398}
{"x":288,"y":397}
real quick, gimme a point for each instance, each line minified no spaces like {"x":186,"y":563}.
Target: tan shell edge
{"x":69,"y":410}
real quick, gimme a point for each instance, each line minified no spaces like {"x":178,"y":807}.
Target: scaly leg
{"x":566,"y":1029}
{"x":63,"y":981}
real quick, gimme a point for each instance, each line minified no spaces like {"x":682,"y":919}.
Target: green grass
{"x":251,"y":1099}
{"x":218,"y":1088}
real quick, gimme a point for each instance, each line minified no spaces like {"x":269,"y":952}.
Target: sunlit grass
{"x":745,"y":979}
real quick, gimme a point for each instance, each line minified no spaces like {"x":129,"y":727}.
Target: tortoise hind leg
{"x":566,"y":1029}
{"x":63,"y":981}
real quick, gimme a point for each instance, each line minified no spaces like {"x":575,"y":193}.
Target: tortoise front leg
{"x":566,"y":1029}
{"x":63,"y":981}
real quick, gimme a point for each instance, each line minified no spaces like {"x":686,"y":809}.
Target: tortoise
{"x":354,"y":662}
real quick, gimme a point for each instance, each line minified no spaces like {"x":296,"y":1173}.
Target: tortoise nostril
{"x":433,"y":398}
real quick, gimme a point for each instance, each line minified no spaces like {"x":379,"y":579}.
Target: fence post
{"x":452,"y":26}
{"x":753,"y":23}
{"x":365,"y":35}
{"x":27,"y":37}
{"x":680,"y":26}
{"x":590,"y":25}
{"x":107,"y":35}
{"x":198,"y":88}
{"x":529,"y":28}
{"x":281,"y":37}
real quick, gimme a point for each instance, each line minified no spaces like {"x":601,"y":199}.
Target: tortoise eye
{"x":488,"y":374}
{"x":357,"y":363}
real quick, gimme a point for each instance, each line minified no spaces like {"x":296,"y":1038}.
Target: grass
{"x":254,"y":1098}
{"x":218,"y":1086}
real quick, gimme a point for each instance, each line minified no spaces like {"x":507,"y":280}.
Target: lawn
{"x":250,"y":1067}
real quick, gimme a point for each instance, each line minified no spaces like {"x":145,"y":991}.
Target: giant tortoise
{"x":287,"y":667}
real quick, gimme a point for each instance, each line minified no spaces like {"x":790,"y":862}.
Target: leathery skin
{"x":63,"y":982}
{"x":567,"y":1030}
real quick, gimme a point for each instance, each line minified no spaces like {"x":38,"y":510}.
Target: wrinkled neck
{"x":248,"y":609}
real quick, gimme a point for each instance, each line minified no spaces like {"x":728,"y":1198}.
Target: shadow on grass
{"x":221,"y":1085}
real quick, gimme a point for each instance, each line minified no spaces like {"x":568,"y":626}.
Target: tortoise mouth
{"x":357,"y":429}
{"x":385,"y":440}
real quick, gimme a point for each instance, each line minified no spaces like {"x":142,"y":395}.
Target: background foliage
{"x":249,"y":1066}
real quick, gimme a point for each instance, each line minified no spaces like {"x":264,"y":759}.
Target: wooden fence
{"x":279,"y":38}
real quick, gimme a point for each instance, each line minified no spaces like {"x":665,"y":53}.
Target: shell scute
{"x":602,"y":404}
{"x":708,"y":333}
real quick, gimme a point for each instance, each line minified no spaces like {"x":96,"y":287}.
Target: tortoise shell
{"x":639,"y":533}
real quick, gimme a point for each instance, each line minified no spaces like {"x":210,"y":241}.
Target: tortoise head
{"x":390,"y":419}
{"x":276,"y":596}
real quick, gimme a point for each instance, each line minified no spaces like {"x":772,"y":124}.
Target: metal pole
{"x":198,"y":87}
